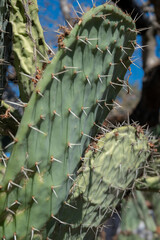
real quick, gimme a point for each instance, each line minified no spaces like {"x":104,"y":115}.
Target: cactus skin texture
{"x":29,"y":47}
{"x":61,"y":118}
{"x":102,"y":182}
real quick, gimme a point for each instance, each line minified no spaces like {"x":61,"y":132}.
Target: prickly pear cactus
{"x":29,"y":47}
{"x":108,"y":172}
{"x":70,"y":102}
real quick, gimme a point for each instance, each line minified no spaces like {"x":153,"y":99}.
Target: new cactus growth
{"x":108,"y":172}
{"x":69,"y":104}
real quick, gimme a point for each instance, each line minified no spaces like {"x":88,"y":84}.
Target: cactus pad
{"x":29,"y":47}
{"x":71,"y":100}
{"x":107,"y":174}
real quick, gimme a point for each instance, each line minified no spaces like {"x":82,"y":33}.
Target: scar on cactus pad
{"x":70,"y":102}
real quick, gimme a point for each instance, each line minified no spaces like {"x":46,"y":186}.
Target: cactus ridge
{"x":108,"y":172}
{"x":73,"y":97}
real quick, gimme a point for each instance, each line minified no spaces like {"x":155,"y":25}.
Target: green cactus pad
{"x":29,"y":47}
{"x":72,"y":98}
{"x":103,"y":180}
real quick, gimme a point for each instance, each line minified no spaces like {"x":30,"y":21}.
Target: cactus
{"x":29,"y":47}
{"x":69,"y":103}
{"x":108,"y":172}
{"x":156,"y":132}
{"x":88,"y":205}
{"x":137,"y":212}
{"x":155,"y":201}
{"x":141,"y":208}
{"x":149,"y":184}
{"x":41,"y":196}
{"x":151,"y":179}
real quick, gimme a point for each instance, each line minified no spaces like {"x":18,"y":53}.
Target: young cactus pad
{"x":109,"y":171}
{"x":70,"y":101}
